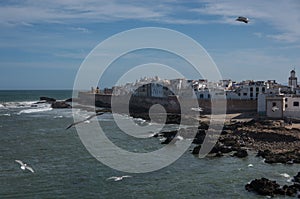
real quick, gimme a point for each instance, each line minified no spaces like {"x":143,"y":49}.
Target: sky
{"x":44,"y":43}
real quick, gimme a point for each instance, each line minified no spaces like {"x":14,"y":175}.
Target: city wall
{"x":171,"y":104}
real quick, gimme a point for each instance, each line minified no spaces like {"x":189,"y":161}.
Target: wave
{"x":5,"y":114}
{"x":35,"y":110}
{"x":22,"y":104}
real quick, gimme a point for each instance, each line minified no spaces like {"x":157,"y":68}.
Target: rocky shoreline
{"x":273,"y":140}
{"x":271,"y":188}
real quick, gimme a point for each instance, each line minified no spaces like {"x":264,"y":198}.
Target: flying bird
{"x":24,"y":166}
{"x":242,"y":19}
{"x":85,"y":120}
{"x":118,"y":178}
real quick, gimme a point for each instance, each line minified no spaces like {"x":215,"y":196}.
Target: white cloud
{"x":282,"y":15}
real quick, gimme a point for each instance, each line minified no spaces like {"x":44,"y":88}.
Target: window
{"x":245,"y":94}
{"x":263,"y":89}
{"x":257,"y":89}
{"x":239,"y":94}
{"x":296,"y":103}
{"x":286,"y":105}
{"x":274,"y":104}
{"x":208,"y":96}
{"x":251,"y":88}
{"x":251,"y":94}
{"x":201,"y":95}
{"x":286,"y":99}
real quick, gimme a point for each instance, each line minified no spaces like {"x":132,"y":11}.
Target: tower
{"x":293,"y":79}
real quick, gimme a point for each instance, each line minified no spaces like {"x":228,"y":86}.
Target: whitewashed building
{"x":291,"y":107}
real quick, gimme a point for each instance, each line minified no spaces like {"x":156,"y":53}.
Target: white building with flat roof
{"x":292,"y":106}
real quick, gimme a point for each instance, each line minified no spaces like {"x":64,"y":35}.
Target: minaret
{"x":293,"y":80}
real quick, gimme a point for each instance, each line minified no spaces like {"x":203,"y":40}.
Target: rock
{"x":69,"y":100}
{"x":264,"y":187}
{"x":219,"y":154}
{"x":47,"y":99}
{"x":288,"y":157}
{"x":297,"y":178}
{"x":167,"y":140}
{"x":241,"y":153}
{"x":196,"y":149}
{"x":289,"y":190}
{"x":263,"y":154}
{"x":60,"y":104}
{"x":200,"y":136}
{"x":203,"y":125}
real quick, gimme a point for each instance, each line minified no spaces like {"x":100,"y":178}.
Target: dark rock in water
{"x":219,"y":154}
{"x":47,"y":99}
{"x":264,"y":187}
{"x":167,"y":140}
{"x":69,"y":100}
{"x":290,"y":190}
{"x":60,"y":104}
{"x":155,"y":135}
{"x":241,"y":153}
{"x":263,"y":154}
{"x":203,"y":125}
{"x":196,"y":150}
{"x":288,"y":157}
{"x":219,"y":148}
{"x":200,"y":136}
{"x":297,"y":178}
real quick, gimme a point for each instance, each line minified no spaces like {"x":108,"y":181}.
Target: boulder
{"x":196,"y":150}
{"x":241,"y":153}
{"x":264,"y":187}
{"x":297,"y":178}
{"x":47,"y":99}
{"x":60,"y":104}
{"x":69,"y":100}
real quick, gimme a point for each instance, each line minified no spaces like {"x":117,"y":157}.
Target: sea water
{"x":64,"y":168}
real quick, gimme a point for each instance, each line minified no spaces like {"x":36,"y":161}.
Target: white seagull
{"x":24,"y":166}
{"x":87,"y":120}
{"x":118,"y":178}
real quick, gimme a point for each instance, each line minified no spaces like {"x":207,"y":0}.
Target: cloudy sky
{"x":43,"y":43}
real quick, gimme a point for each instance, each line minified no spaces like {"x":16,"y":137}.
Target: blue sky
{"x":43,"y":43}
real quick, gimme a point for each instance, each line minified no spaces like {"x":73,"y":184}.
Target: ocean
{"x":37,"y":135}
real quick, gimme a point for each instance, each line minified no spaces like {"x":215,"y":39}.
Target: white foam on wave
{"x":35,"y":110}
{"x":5,"y":114}
{"x":285,"y":175}
{"x":22,"y":104}
{"x":59,"y":116}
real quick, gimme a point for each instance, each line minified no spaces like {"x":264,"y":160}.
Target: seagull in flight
{"x":242,"y":19}
{"x":88,"y":118}
{"x":118,"y":178}
{"x":24,"y":166}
